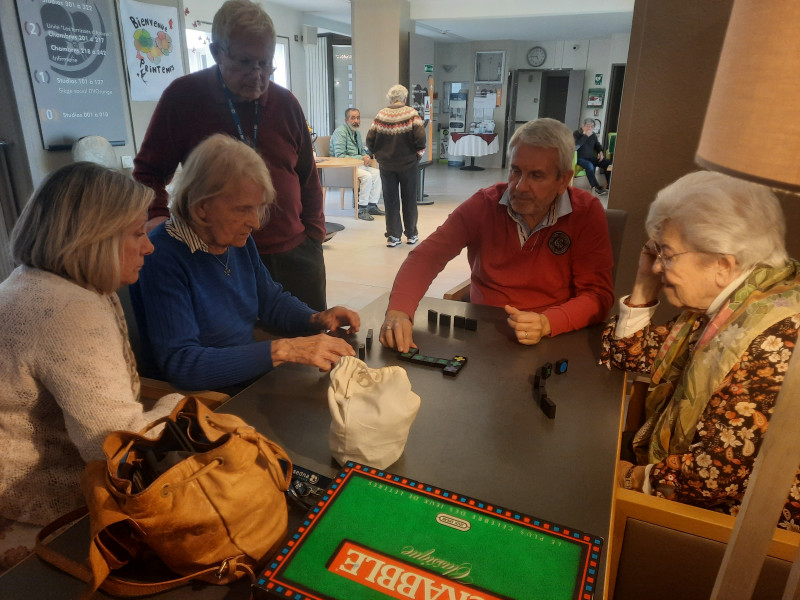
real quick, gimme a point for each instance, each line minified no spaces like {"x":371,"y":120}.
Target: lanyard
{"x":235,"y":114}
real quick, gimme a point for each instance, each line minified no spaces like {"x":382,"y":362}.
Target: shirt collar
{"x":182,"y":231}
{"x":560,"y":207}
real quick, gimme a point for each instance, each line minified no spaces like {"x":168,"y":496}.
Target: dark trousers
{"x":407,"y":182}
{"x":301,"y":272}
{"x":589,"y":166}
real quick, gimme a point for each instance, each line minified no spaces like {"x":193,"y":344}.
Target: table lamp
{"x":752,"y":131}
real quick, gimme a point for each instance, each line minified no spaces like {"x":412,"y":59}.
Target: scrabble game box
{"x":377,"y":535}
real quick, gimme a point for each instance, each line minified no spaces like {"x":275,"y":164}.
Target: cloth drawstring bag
{"x":371,"y":412}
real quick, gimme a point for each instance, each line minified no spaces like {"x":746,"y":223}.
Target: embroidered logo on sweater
{"x":559,"y":242}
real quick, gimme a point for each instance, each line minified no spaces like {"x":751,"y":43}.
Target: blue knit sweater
{"x":196,"y":323}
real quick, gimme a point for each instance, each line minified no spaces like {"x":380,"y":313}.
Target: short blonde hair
{"x":397,"y":93}
{"x":73,"y":224}
{"x":216,"y":167}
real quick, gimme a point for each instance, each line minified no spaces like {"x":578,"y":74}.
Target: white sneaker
{"x":392,"y":241}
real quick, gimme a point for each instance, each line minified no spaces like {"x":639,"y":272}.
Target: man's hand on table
{"x":396,"y":331}
{"x":528,"y":327}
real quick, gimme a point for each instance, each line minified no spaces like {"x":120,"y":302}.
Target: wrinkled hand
{"x":333,"y":318}
{"x":367,"y":160}
{"x":637,"y":476}
{"x":648,"y":283}
{"x":529,"y":327}
{"x":153,"y":223}
{"x":396,"y":331}
{"x":322,"y":351}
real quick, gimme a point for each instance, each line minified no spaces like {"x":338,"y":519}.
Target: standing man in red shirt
{"x":236,"y":97}
{"x":536,"y":246}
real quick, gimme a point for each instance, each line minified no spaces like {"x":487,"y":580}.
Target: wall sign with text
{"x":71,"y":49}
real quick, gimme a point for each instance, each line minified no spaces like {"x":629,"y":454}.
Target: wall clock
{"x":536,"y":56}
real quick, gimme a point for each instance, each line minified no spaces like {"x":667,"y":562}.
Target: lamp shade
{"x":752,"y":125}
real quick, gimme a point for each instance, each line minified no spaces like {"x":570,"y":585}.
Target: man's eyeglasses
{"x":666,"y":260}
{"x":245,"y":65}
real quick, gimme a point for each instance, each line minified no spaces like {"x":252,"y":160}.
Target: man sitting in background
{"x":535,"y":246}
{"x":346,"y":142}
{"x":590,"y":155}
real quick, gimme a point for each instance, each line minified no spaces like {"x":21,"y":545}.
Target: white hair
{"x":397,"y":93}
{"x":721,"y":214}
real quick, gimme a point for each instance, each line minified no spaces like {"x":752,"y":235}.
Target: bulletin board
{"x":72,"y":54}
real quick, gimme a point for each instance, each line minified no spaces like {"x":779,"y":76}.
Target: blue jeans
{"x":590,"y":165}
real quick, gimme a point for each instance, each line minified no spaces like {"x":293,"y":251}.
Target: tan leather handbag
{"x":206,"y":496}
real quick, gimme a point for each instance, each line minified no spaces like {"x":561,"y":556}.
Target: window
{"x":281,"y":76}
{"x":197,"y":42}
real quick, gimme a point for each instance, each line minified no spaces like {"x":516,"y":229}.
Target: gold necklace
{"x":224,"y":264}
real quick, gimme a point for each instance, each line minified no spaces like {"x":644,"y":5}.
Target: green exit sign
{"x":429,"y":68}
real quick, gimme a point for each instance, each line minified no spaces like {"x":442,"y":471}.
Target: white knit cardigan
{"x":67,"y":379}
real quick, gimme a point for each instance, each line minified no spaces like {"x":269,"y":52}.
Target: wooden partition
{"x":664,"y":550}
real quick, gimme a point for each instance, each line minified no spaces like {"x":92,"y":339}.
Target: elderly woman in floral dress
{"x":717,"y":251}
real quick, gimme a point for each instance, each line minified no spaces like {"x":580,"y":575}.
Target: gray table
{"x":480,"y":433}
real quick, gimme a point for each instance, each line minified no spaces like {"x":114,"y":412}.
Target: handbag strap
{"x":114,"y":585}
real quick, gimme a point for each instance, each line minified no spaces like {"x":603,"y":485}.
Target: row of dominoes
{"x":458,"y":320}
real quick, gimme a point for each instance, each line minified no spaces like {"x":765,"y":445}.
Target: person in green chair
{"x":590,"y":156}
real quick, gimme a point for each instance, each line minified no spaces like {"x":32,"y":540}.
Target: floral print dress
{"x":715,"y":472}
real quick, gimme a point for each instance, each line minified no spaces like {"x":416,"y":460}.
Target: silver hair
{"x":717,"y":213}
{"x":547,"y":133}
{"x":588,"y":122}
{"x":397,"y":93}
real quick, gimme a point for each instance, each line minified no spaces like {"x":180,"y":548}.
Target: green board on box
{"x":376,"y":535}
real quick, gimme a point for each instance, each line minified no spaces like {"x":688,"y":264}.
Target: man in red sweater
{"x":236,"y":97}
{"x":536,"y":246}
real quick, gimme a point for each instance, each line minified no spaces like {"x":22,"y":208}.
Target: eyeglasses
{"x":245,"y":65}
{"x":667,"y":260}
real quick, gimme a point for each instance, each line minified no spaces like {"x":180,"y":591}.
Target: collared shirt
{"x":182,"y":232}
{"x":560,"y":207}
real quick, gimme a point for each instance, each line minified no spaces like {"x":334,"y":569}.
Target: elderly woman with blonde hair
{"x":397,"y":139}
{"x":204,"y":288}
{"x":717,"y":252}
{"x":68,"y":372}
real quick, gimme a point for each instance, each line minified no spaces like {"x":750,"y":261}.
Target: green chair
{"x":612,"y":144}
{"x":579,"y":170}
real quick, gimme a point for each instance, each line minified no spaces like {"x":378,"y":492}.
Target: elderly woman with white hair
{"x":397,"y":138}
{"x":717,"y":252}
{"x":204,"y":288}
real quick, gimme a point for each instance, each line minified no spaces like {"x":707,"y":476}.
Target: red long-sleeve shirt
{"x":573,"y":289}
{"x":194,"y":107}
